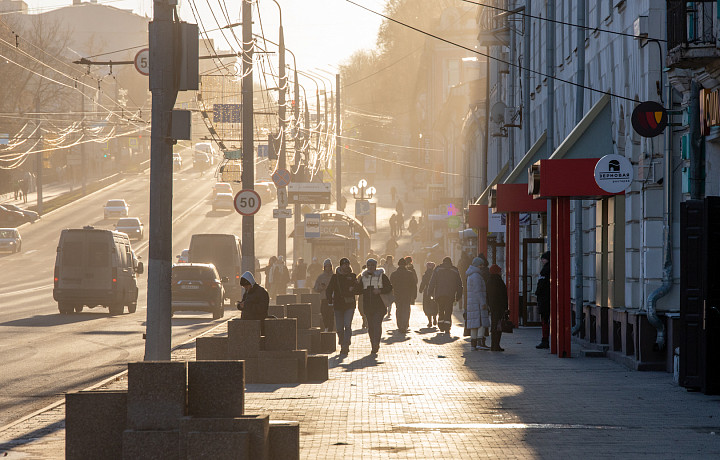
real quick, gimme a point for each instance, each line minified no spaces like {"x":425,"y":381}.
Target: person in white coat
{"x":478,"y":315}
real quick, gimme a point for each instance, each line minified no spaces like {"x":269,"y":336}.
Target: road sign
{"x":282,"y":213}
{"x":262,"y":151}
{"x":247,"y":202}
{"x":312,"y":225}
{"x":227,"y":113}
{"x":4,"y":139}
{"x":309,"y":193}
{"x":362,"y":208}
{"x":281,"y":177}
{"x":133,"y":142}
{"x":232,"y":154}
{"x":282,"y":197}
{"x":142,"y":61}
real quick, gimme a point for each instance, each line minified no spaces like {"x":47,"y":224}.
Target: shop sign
{"x":613,"y":173}
{"x":649,"y":119}
{"x":709,"y":110}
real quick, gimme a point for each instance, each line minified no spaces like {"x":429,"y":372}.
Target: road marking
{"x":31,"y":251}
{"x":25,"y":291}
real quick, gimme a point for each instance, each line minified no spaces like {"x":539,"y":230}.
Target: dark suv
{"x":197,"y":287}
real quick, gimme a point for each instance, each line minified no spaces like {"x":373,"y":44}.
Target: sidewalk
{"x":427,"y":396}
{"x":49,"y":191}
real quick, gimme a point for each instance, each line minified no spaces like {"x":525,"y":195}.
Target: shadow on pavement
{"x":32,"y":436}
{"x":426,"y":330}
{"x":396,"y":337}
{"x":362,"y":363}
{"x":54,"y":319}
{"x":441,"y":339}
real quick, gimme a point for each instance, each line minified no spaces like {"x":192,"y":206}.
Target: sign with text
{"x":312,"y":225}
{"x":282,"y":213}
{"x":309,"y":193}
{"x":227,"y":113}
{"x":613,"y":173}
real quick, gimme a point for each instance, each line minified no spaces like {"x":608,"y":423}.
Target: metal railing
{"x":690,"y":23}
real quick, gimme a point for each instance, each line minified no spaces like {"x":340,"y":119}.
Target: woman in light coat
{"x":478,"y":316}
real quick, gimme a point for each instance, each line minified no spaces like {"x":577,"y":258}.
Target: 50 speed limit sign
{"x":247,"y":202}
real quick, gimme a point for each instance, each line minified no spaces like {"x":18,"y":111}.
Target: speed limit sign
{"x":247,"y":202}
{"x":142,"y":61}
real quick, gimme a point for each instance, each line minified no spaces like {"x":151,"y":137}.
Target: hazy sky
{"x":322,"y":33}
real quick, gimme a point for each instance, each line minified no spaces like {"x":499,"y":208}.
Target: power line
{"x":536,"y":72}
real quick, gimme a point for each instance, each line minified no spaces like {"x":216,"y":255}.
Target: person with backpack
{"x":445,"y":287}
{"x":374,"y":283}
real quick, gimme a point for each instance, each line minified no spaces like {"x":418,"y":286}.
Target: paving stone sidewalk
{"x":427,"y":396}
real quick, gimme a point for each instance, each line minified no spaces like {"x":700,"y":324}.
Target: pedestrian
{"x":281,"y":276}
{"x":393,"y":225}
{"x":463,"y":265}
{"x":355,"y":263}
{"x":412,"y":226}
{"x":268,"y":270}
{"x":411,"y":268}
{"x":321,"y":284}
{"x":497,"y":300}
{"x":374,"y":283}
{"x":255,"y":301}
{"x":16,"y":188}
{"x":542,"y":293}
{"x":399,"y":208}
{"x":429,"y":305}
{"x":391,"y":246}
{"x":404,"y":289}
{"x":445,"y":287}
{"x":24,"y":188}
{"x":314,"y":270}
{"x":299,"y":273}
{"x":341,"y":292}
{"x":477,"y":314}
{"x":389,"y":268}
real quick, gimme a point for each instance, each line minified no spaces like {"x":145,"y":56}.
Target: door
{"x":710,"y":337}
{"x":691,"y":292}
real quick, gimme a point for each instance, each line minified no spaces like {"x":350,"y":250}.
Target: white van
{"x":94,"y":268}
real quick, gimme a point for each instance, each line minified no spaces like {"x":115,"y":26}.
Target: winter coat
{"x":497,"y":298}
{"x":255,"y":300}
{"x":446,"y":282}
{"x":373,"y":303}
{"x":300,"y":272}
{"x":313,"y":271}
{"x":404,"y":286}
{"x":542,"y":292}
{"x":430,"y":308}
{"x":411,"y":269}
{"x":341,"y":291}
{"x":321,"y":284}
{"x":477,"y":310}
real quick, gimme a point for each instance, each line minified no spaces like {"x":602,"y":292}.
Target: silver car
{"x":132,"y":227}
{"x":10,"y":240}
{"x":116,"y":208}
{"x":223,"y":201}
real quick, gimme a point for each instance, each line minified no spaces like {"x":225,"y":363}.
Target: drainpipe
{"x":652,"y":299}
{"x":511,"y":95}
{"x":579,"y":112}
{"x":550,"y":71}
{"x":526,"y":75}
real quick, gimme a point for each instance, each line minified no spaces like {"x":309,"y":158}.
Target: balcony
{"x":692,"y":34}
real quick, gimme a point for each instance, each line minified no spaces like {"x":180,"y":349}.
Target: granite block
{"x":309,"y":339}
{"x":94,"y":424}
{"x":151,"y":445}
{"x":280,"y":334}
{"x":278,"y":311}
{"x":211,"y":348}
{"x":216,"y":445}
{"x":257,"y":426}
{"x":243,"y":338}
{"x":317,"y":320}
{"x":301,"y":312}
{"x":283,"y":370}
{"x":251,"y":370}
{"x":157,"y":392}
{"x":317,"y":368}
{"x":300,"y":291}
{"x":284,"y":440}
{"x":314,"y":300}
{"x":284,"y":299}
{"x":299,"y":355}
{"x":216,"y":388}
{"x":328,"y":341}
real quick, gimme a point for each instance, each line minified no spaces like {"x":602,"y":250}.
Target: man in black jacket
{"x":341,"y":292}
{"x":445,"y":287}
{"x":404,"y":289}
{"x":255,"y":300}
{"x":542,"y":292}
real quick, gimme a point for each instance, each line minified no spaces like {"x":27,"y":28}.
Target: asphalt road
{"x":44,"y":354}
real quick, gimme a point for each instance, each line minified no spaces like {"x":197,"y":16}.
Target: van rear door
{"x":99,"y":252}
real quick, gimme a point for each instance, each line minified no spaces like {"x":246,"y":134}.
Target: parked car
{"x":177,"y":161}
{"x":10,"y":218}
{"x":132,"y":227}
{"x":95,"y":267}
{"x":197,"y":287}
{"x":221,"y":187}
{"x":30,"y":216}
{"x":116,"y":208}
{"x":225,"y":253}
{"x":10,"y":240}
{"x":223,"y":201}
{"x":201,"y":161}
{"x":183,"y":256}
{"x":266,"y":190}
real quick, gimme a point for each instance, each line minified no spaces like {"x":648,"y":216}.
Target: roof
{"x":537,"y":152}
{"x":483,"y":196}
{"x":591,"y":137}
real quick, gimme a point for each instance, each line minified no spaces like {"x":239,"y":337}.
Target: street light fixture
{"x":362,"y":191}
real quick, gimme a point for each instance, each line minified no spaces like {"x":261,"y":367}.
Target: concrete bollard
{"x":278,"y":311}
{"x":211,"y":348}
{"x":328,"y":342}
{"x":243,"y":339}
{"x":216,"y":388}
{"x":94,"y":424}
{"x":317,"y":368}
{"x":256,"y":426}
{"x":284,"y":440}
{"x":157,"y":392}
{"x":278,"y":371}
{"x":151,"y":445}
{"x":300,"y":356}
{"x":309,"y":339}
{"x":301,"y":312}
{"x":285,"y":299}
{"x":281,"y":334}
{"x":314,"y":300}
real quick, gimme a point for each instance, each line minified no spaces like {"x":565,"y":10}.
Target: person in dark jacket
{"x":299,"y":273}
{"x":498,"y":302}
{"x":430,"y":307}
{"x":321,"y":284}
{"x":445,"y":287}
{"x":313,"y":271}
{"x":404,"y":289}
{"x":411,"y":268}
{"x":341,"y":292}
{"x":374,"y":283}
{"x":255,"y":300}
{"x":542,"y":292}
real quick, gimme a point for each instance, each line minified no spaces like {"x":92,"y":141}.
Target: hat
{"x":495,"y":269}
{"x":344,"y":260}
{"x":371,"y":261}
{"x":401,"y":263}
{"x":546,"y":256}
{"x":327,"y":262}
{"x":478,"y":262}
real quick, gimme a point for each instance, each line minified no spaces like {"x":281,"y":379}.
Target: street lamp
{"x":362,"y":193}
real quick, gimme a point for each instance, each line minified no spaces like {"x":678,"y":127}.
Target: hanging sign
{"x":709,"y":110}
{"x":613,"y":173}
{"x":649,"y":119}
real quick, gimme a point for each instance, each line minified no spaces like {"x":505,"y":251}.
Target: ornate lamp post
{"x":362,"y":193}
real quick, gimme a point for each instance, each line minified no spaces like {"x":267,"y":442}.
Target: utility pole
{"x":282,"y":157}
{"x":38,"y":169}
{"x":298,"y":172}
{"x":164,"y":88}
{"x":83,"y":151}
{"x":248,"y":145}
{"x":338,"y":146}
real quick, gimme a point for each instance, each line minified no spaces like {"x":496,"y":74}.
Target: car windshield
{"x":116,"y":203}
{"x":7,"y":233}
{"x":192,"y":273}
{"x":134,"y":222}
